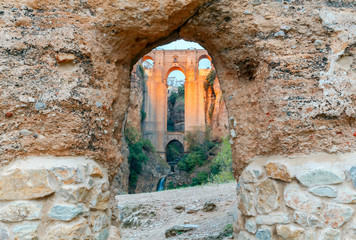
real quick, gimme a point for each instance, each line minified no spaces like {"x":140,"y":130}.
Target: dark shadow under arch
{"x":174,"y":153}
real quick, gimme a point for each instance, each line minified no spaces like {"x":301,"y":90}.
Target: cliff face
{"x":137,"y":88}
{"x":155,"y":168}
{"x":215,"y":111}
{"x":152,"y":172}
{"x":175,"y":114}
{"x":120,"y":184}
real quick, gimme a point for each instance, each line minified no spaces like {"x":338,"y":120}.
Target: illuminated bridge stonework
{"x":166,"y":61}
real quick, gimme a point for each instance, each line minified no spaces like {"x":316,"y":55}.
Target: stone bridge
{"x":155,"y":104}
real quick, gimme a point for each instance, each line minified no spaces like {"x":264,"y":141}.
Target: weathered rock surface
{"x":346,"y":195}
{"x":65,"y":212}
{"x":25,"y":184}
{"x":21,"y":210}
{"x":251,"y":225}
{"x":156,"y":212}
{"x":272,"y":219}
{"x":299,"y":200}
{"x":179,"y":229}
{"x":336,"y":215}
{"x":263,"y":234}
{"x":247,"y":199}
{"x":77,"y":229}
{"x":324,"y":191}
{"x":4,"y":232}
{"x":58,"y":192}
{"x":289,"y":232}
{"x":26,"y":231}
{"x":305,"y":219}
{"x":278,"y":171}
{"x":209,"y":206}
{"x":267,"y":197}
{"x":321,"y":176}
{"x":331,"y":234}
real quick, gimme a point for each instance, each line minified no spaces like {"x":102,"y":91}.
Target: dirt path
{"x":149,"y":215}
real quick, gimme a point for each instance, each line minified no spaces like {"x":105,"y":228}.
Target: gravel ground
{"x":149,"y":215}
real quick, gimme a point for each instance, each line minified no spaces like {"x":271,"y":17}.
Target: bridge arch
{"x":156,"y":104}
{"x":204,"y":56}
{"x":174,"y":152}
{"x":176,"y":68}
{"x":147,"y":57}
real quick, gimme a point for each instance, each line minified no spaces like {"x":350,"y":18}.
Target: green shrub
{"x":170,"y":185}
{"x":201,"y":178}
{"x":227,"y":231}
{"x":211,"y":110}
{"x":147,"y":145}
{"x":181,"y":91}
{"x":188,"y":163}
{"x":141,"y":70}
{"x":221,"y":167}
{"x":209,"y":80}
{"x":143,"y":115}
{"x":170,"y":125}
{"x":173,"y":98}
{"x":198,"y":152}
{"x":215,"y":168}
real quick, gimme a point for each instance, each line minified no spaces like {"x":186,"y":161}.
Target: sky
{"x":181,"y":45}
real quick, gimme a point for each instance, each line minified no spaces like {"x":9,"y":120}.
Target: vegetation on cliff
{"x":209,"y":80}
{"x":221,"y":167}
{"x":206,"y":162}
{"x":210,"y":93}
{"x":137,"y":156}
{"x":198,"y":152}
{"x":176,"y":110}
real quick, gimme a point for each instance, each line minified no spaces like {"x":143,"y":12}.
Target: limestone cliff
{"x":120,"y":184}
{"x":175,"y":114}
{"x":135,"y":113}
{"x":152,"y":172}
{"x":155,"y":168}
{"x":215,"y":111}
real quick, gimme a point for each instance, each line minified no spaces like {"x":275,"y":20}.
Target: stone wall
{"x":302,"y":197}
{"x":54,"y":198}
{"x":286,"y":72}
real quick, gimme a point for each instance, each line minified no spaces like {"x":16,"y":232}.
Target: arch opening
{"x":148,"y":63}
{"x":175,"y":100}
{"x":174,"y":153}
{"x":176,"y":106}
{"x":205,"y":63}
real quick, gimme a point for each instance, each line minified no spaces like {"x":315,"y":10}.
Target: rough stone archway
{"x":286,"y":71}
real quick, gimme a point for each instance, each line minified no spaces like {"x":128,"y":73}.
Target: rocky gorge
{"x":287,"y":75}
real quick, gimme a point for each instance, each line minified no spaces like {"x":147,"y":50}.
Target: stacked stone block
{"x":298,"y":198}
{"x":54,"y":198}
